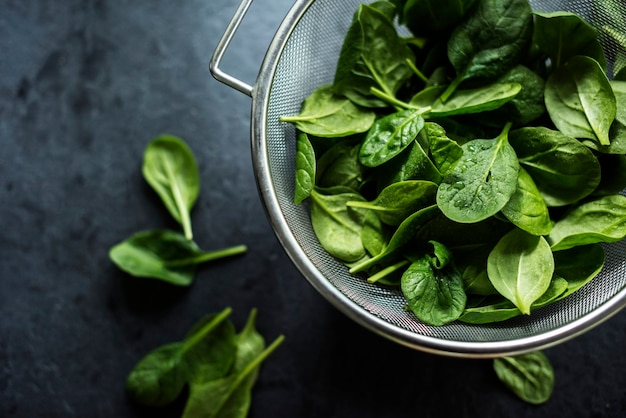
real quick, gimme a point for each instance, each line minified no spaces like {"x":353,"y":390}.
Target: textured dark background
{"x":84,"y":85}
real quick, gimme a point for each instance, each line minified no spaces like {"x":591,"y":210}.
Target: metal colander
{"x":301,"y":57}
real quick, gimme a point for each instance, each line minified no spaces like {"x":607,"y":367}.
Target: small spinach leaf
{"x":600,"y":220}
{"x":399,"y":200}
{"x":338,"y":226}
{"x":305,"y":168}
{"x":580,"y":100}
{"x":433,"y":287}
{"x":526,"y":209}
{"x":327,"y":115}
{"x":340,"y":166}
{"x":171,"y":169}
{"x":529,"y":376}
{"x":482,"y":181}
{"x":389,"y":136}
{"x":482,"y":99}
{"x":520,"y":267}
{"x":165,"y":255}
{"x":578,"y":265}
{"x":372,"y":55}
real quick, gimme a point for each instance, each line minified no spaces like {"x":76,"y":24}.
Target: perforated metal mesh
{"x":302,"y":57}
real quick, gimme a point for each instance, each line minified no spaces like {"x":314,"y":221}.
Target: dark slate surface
{"x":84,"y":85}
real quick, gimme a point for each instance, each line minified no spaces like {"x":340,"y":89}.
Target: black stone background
{"x":84,"y":85}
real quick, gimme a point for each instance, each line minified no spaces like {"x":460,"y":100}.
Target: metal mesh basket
{"x":301,"y":57}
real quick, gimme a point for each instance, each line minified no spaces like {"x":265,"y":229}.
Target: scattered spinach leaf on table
{"x":529,"y":376}
{"x":170,"y":168}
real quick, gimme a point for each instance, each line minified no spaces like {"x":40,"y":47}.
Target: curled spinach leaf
{"x":171,"y":169}
{"x":305,"y":168}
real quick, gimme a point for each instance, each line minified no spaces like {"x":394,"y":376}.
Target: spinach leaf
{"x":580,"y":100}
{"x":403,"y":235}
{"x":482,"y":99}
{"x":529,"y":376}
{"x":165,"y":255}
{"x":482,"y":181}
{"x":520,"y":267}
{"x":578,"y":265}
{"x":600,"y":220}
{"x":445,"y":152}
{"x":340,"y":166}
{"x":230,"y":395}
{"x":372,"y":55}
{"x":526,"y":209}
{"x":336,"y":225}
{"x":433,"y":287}
{"x":491,"y":41}
{"x":159,"y":378}
{"x":389,"y":136}
{"x":399,"y":200}
{"x":327,"y":115}
{"x":430,"y":17}
{"x":502,"y":309}
{"x":305,"y":168}
{"x":171,"y":170}
{"x":563,"y":169}
{"x":374,"y":234}
{"x":563,"y":35}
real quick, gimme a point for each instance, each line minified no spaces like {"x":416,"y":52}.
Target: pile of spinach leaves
{"x":475,"y":164}
{"x":170,"y":168}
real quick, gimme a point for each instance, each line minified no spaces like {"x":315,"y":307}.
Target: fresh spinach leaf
{"x":491,"y":41}
{"x":562,"y":35}
{"x":336,"y":225}
{"x":305,"y":168}
{"x":340,"y":166}
{"x":404,"y":234}
{"x":399,"y":200}
{"x":564,"y":170}
{"x":477,"y":100}
{"x":578,"y":265}
{"x":444,"y":152}
{"x":433,"y":287}
{"x":170,"y":168}
{"x":389,"y":136}
{"x":580,"y":100}
{"x":165,"y":255}
{"x":372,"y":55}
{"x":526,"y":209}
{"x":431,"y":17}
{"x":327,"y":115}
{"x":520,"y":267}
{"x":529,"y":376}
{"x":482,"y":181}
{"x":159,"y":378}
{"x":599,"y":220}
{"x":374,"y":234}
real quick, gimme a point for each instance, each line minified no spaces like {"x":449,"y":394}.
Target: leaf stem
{"x":416,"y":70}
{"x":387,"y":271}
{"x":451,"y":89}
{"x":198,"y":336}
{"x":208,"y":256}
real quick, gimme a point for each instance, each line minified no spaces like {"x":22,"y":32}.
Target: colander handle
{"x":221,"y":48}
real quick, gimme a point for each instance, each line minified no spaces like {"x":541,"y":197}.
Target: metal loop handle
{"x":221,"y":48}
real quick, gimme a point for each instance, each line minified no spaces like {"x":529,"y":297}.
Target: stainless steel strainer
{"x":302,"y":56}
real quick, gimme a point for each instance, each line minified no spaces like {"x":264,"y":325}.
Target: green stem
{"x":397,"y":103}
{"x":210,"y":326}
{"x":416,"y":71}
{"x":388,"y":270}
{"x":247,"y":370}
{"x":208,"y":256}
{"x":451,"y":89}
{"x":183,"y":211}
{"x":366,"y":205}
